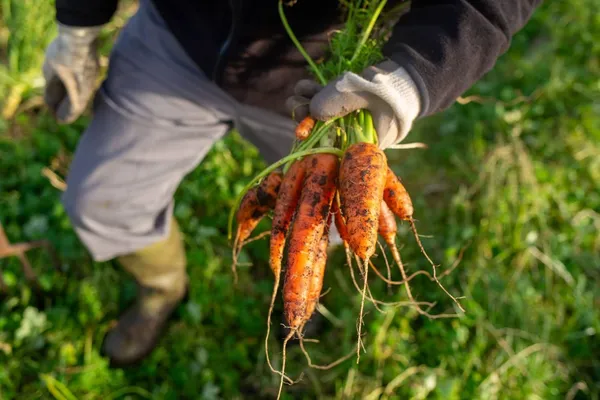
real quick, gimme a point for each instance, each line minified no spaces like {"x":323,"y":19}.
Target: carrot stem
{"x":289,"y":31}
{"x":367,"y":31}
{"x":344,"y":132}
{"x":268,"y":170}
{"x":318,"y":132}
{"x":369,"y":127}
{"x":357,"y":128}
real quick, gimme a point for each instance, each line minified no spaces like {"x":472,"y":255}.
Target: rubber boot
{"x":160,"y":272}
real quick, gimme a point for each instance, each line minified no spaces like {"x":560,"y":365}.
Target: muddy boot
{"x":162,"y":282}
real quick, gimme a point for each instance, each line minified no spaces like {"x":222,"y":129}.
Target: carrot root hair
{"x":434,"y":267}
{"x":376,"y":302}
{"x":237,"y":249}
{"x":255,"y":238}
{"x":235,"y":253}
{"x":283,"y":359}
{"x":398,"y":283}
{"x":396,"y":256}
{"x":273,"y":297}
{"x":357,"y":286}
{"x":388,"y":269}
{"x":323,"y":367}
{"x":359,"y":343}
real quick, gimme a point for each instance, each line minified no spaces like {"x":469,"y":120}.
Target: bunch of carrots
{"x":335,"y":174}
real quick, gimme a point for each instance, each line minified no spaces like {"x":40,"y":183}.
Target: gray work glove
{"x":70,"y":69}
{"x":386,"y":90}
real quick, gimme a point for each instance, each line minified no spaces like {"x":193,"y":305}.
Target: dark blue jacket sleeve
{"x":447,"y":45}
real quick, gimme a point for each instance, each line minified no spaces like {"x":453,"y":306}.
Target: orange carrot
{"x":387,"y":230}
{"x":307,"y":230}
{"x":304,"y":128}
{"x":397,"y":198}
{"x":316,"y":284}
{"x":387,"y":224}
{"x":255,"y":204}
{"x":253,"y":207}
{"x":340,"y":224}
{"x":287,"y":200}
{"x":315,"y":293}
{"x":362,"y":180}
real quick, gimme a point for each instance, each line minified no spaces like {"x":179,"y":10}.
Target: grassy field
{"x":511,"y":175}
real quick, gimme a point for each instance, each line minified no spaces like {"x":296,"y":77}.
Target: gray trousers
{"x":154,"y":119}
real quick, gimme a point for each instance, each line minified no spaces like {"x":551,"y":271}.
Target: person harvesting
{"x":182,"y":73}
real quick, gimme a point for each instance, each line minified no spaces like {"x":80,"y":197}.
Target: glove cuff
{"x":79,"y":35}
{"x":405,"y":96}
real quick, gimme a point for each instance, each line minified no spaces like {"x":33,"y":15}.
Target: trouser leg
{"x":146,"y":134}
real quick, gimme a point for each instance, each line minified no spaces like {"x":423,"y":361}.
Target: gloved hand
{"x":386,"y":90}
{"x":70,"y":69}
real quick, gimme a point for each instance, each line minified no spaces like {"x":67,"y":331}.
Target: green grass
{"x":514,"y":176}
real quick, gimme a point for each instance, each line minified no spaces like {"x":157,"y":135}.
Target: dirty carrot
{"x":387,"y":224}
{"x":362,"y":180}
{"x":305,"y":127}
{"x":253,"y":207}
{"x":396,"y":197}
{"x":387,"y":230}
{"x":316,"y":284}
{"x":307,"y":230}
{"x":338,"y":218}
{"x":256,"y":203}
{"x":287,"y":201}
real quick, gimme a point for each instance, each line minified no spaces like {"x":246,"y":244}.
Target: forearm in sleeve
{"x":447,"y":46}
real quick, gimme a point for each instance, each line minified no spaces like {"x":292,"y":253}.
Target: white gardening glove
{"x":386,"y":90}
{"x":70,"y":69}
